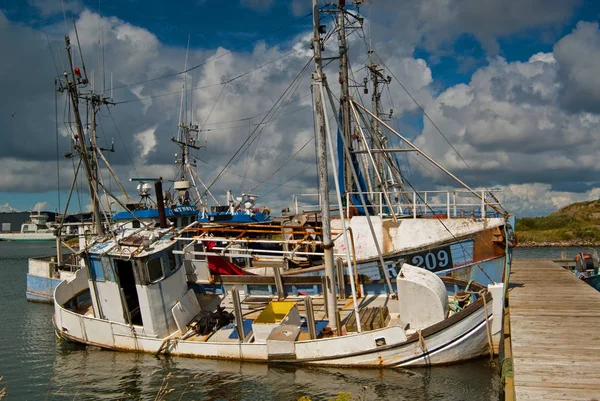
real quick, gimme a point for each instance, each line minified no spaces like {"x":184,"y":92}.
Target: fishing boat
{"x":382,"y":218}
{"x":134,"y":293}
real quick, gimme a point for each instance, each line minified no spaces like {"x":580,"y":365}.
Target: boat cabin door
{"x":129,"y":295}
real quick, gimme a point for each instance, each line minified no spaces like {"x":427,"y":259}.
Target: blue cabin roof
{"x":237,"y":217}
{"x":153,"y":213}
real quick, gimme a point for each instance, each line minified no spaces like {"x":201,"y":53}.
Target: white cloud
{"x":146,"y":141}
{"x":536,"y":199}
{"x":509,"y":125}
{"x":6,"y":208}
{"x":40,"y":206}
{"x":435,"y":24}
{"x":578,"y":56}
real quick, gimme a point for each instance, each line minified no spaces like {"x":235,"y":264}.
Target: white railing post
{"x":414,"y":204}
{"x":347,"y":205}
{"x":454,"y":201}
{"x":482,"y":204}
{"x":381,"y":203}
{"x":448,"y":204}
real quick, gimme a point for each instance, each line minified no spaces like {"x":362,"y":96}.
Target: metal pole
{"x":239,"y":317}
{"x":321,"y":143}
{"x":310,"y":317}
{"x":345,"y":92}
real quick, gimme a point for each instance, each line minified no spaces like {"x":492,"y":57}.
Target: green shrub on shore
{"x":575,"y":223}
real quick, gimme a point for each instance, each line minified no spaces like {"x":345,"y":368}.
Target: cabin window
{"x":172,"y":262}
{"x":96,"y":269}
{"x":155,"y":271}
{"x":135,"y":224}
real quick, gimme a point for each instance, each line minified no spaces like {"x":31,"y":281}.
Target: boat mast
{"x":89,"y":164}
{"x":187,"y":135}
{"x":390,"y":176}
{"x":345,"y":92}
{"x":318,"y":76}
{"x":377,"y":138}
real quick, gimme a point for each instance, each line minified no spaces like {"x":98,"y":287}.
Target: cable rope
{"x":241,"y":176}
{"x":216,"y":57}
{"x":57,"y":147}
{"x":122,"y":141}
{"x":289,"y":179}
{"x":290,"y":159}
{"x":274,"y":116}
{"x":107,"y":157}
{"x":210,"y":85}
{"x":253,"y":132}
{"x":284,"y":164}
{"x":255,"y":125}
{"x":213,"y":106}
{"x":77,"y":178}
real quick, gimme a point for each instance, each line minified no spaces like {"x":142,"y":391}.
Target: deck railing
{"x":446,"y":204}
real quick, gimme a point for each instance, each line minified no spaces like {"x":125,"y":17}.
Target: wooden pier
{"x":553,"y":334}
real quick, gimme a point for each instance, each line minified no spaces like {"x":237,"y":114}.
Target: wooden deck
{"x":555,"y":333}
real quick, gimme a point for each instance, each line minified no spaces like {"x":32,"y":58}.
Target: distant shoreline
{"x":557,"y":244}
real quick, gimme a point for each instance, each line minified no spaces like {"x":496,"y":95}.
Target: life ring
{"x":511,"y":236}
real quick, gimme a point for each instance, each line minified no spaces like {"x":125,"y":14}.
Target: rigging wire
{"x":216,"y":57}
{"x":256,"y":125}
{"x":273,"y":117}
{"x":213,"y":106}
{"x":244,"y":119}
{"x":285,"y":163}
{"x":248,"y":178}
{"x":250,"y":137}
{"x":57,"y":147}
{"x":288,"y":180}
{"x":212,"y":85}
{"x":122,"y":140}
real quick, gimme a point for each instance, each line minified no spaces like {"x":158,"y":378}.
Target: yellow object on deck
{"x":275,"y":312}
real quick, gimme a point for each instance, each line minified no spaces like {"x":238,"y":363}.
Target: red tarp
{"x":221,"y":266}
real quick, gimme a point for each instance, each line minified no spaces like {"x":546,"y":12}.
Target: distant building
{"x":12,"y":221}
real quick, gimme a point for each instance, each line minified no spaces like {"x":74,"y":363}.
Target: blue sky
{"x":444,"y":56}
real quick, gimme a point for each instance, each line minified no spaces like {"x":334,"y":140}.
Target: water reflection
{"x":93,"y":373}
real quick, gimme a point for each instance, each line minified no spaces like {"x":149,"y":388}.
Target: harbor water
{"x":35,"y":366}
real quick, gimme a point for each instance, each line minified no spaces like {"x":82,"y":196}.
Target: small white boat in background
{"x":37,"y":229}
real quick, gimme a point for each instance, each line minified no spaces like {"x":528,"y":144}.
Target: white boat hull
{"x":461,"y":337}
{"x":49,"y":236}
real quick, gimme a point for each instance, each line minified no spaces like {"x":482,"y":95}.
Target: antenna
{"x":80,"y":53}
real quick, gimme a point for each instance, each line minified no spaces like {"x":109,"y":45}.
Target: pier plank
{"x":555,"y":333}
